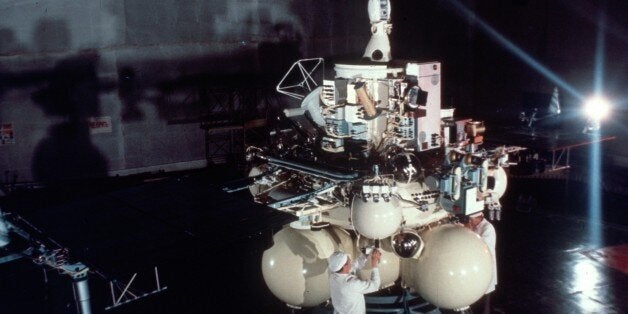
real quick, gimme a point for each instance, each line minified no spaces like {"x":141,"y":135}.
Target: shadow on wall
{"x":71,"y":91}
{"x":276,"y":57}
{"x":227,"y":86}
{"x":130,"y":94}
{"x":8,"y":43}
{"x":52,"y":35}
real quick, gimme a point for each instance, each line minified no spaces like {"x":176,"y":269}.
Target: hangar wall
{"x":92,"y":88}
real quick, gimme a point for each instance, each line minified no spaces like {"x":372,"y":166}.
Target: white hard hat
{"x":476,"y":215}
{"x":337,"y":260}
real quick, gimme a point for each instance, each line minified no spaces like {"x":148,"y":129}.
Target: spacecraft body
{"x":398,"y":172}
{"x":371,"y":157}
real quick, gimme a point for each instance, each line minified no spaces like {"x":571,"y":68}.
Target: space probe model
{"x":371,"y":158}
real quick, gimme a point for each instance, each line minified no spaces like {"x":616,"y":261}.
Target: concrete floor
{"x":208,"y":246}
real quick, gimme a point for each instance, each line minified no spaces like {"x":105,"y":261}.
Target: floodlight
{"x":596,"y":108}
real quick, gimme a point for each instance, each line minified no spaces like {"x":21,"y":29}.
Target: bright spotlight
{"x":596,"y":108}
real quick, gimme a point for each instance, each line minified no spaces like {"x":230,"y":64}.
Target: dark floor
{"x":208,"y":246}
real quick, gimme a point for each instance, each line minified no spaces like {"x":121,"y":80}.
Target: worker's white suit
{"x":486,"y":230}
{"x":347,"y":290}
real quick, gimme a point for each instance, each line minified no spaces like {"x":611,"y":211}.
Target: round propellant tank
{"x":453,"y":271}
{"x":388,"y":263}
{"x":295,"y":266}
{"x":376,"y":220}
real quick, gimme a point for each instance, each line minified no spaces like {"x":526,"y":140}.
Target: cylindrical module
{"x":365,"y":100}
{"x":81,"y":295}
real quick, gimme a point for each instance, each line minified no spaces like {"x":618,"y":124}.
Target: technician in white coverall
{"x":485,"y":229}
{"x":347,"y":290}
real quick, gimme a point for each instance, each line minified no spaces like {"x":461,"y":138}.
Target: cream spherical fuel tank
{"x":454,"y":269}
{"x":388,"y":263}
{"x":408,"y":267}
{"x":376,"y":220}
{"x":295,"y":267}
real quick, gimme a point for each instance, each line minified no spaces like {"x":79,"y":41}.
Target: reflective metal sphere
{"x":406,"y":244}
{"x":407,"y":168}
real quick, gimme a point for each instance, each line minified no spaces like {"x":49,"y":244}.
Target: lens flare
{"x":597,"y":108}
